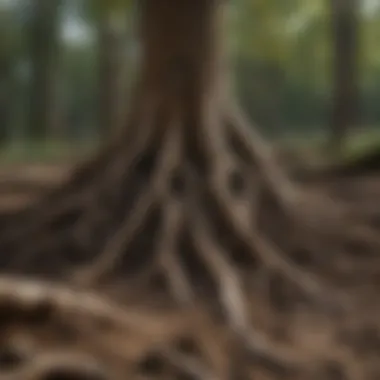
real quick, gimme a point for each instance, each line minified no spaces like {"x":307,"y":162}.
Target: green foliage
{"x":114,"y":10}
{"x":114,"y":5}
{"x":370,"y":62}
{"x":291,"y":34}
{"x":10,"y":33}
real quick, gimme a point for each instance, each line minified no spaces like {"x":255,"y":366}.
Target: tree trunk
{"x":111,"y":74}
{"x":345,"y":25}
{"x":186,"y":200}
{"x":6,"y":77}
{"x":44,"y":41}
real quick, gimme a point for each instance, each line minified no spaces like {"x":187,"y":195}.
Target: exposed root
{"x":168,"y":257}
{"x":122,"y":164}
{"x":40,"y":302}
{"x":116,"y":335}
{"x":250,"y":145}
{"x":233,"y":299}
{"x":269,"y":255}
{"x":55,"y":364}
{"x":119,"y":243}
{"x":177,"y":186}
{"x":109,"y":333}
{"x":228,"y":282}
{"x":190,"y":196}
{"x":115,"y":248}
{"x":190,"y":367}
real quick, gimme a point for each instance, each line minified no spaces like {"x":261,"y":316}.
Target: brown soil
{"x":21,"y":184}
{"x":47,"y":330}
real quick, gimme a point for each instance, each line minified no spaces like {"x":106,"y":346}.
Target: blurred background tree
{"x":43,"y":43}
{"x":66,"y":66}
{"x":110,"y":18}
{"x":345,"y":25}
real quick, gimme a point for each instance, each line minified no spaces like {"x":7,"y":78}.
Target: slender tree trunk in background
{"x":44,"y":50}
{"x":7,"y":63}
{"x":5,"y":99}
{"x":112,"y":60}
{"x":345,"y":99}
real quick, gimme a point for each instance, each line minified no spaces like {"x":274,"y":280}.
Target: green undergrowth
{"x":313,"y":150}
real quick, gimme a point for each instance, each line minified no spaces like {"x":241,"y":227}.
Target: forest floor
{"x":23,"y":178}
{"x":357,"y":182}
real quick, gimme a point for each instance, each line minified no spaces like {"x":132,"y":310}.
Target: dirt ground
{"x":23,"y":182}
{"x":327,"y":348}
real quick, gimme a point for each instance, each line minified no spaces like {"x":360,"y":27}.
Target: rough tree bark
{"x":187,"y":197}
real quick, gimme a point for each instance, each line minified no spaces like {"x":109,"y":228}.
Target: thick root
{"x":91,"y":335}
